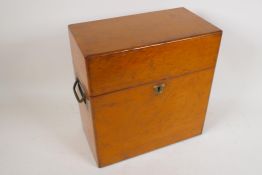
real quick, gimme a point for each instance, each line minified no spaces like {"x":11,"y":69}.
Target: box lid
{"x":136,"y":31}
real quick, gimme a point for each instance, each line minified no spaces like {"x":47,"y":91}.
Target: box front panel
{"x":136,"y":120}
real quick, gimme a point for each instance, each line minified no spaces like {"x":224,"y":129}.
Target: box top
{"x":137,"y":31}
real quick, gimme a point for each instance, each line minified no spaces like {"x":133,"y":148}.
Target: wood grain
{"x":135,"y":121}
{"x":119,"y":61}
{"x":135,"y":31}
{"x":85,"y":111}
{"x":113,"y":72}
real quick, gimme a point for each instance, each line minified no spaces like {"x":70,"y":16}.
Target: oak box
{"x":143,"y":81}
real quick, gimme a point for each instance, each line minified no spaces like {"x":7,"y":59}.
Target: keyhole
{"x":158,"y":89}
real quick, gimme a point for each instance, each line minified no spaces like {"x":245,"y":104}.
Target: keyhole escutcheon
{"x":159,"y":88}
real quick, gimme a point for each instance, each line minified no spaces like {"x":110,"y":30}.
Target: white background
{"x":40,"y":129}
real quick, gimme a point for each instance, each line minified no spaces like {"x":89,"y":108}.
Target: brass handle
{"x":81,"y":91}
{"x":159,"y":88}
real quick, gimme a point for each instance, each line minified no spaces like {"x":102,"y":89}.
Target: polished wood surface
{"x":122,"y":70}
{"x":135,"y":31}
{"x":81,"y":73}
{"x":137,"y":120}
{"x":79,"y":63}
{"x":121,"y":61}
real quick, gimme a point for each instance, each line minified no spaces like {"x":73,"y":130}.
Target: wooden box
{"x":143,"y":81}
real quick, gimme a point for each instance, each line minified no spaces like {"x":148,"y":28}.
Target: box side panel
{"x":137,"y":120}
{"x":81,"y":73}
{"x":79,"y":63}
{"x":113,"y":72}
